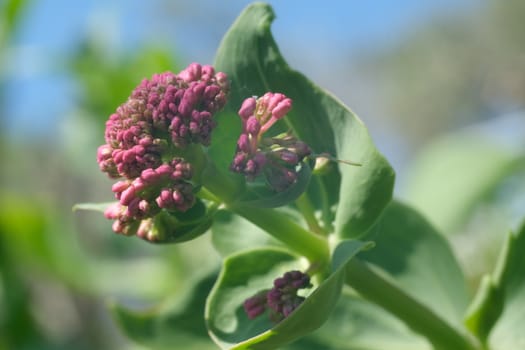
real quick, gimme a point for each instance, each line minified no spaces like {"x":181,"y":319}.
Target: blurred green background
{"x":441,"y":86}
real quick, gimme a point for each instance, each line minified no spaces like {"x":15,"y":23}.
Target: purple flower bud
{"x":282,"y":108}
{"x":280,"y":282}
{"x":191,"y":73}
{"x":127,"y":195}
{"x":120,"y":186}
{"x":149,"y":175}
{"x":287,"y":156}
{"x":243,"y":144}
{"x":247,"y":108}
{"x":253,"y":126}
{"x":113,"y":211}
{"x":282,"y":299}
{"x":165,"y":198}
{"x":256,"y":305}
{"x":222,"y":81}
{"x":280,"y":178}
{"x":144,"y":229}
{"x":187,"y":103}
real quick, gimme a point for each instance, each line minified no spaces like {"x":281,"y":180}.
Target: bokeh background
{"x":440,"y":84}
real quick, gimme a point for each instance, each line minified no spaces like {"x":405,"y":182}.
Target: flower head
{"x":282,"y":299}
{"x":163,"y":114}
{"x":276,"y":157}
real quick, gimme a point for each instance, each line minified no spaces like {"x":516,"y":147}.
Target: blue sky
{"x":39,"y":95}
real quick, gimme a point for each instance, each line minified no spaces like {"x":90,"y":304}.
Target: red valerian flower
{"x":144,"y":140}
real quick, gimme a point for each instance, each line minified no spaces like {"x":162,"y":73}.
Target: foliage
{"x":383,"y":276}
{"x":411,"y":285}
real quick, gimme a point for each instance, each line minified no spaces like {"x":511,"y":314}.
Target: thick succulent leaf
{"x":180,"y":324}
{"x":508,"y":331}
{"x":453,"y":174}
{"x":358,"y":324}
{"x":420,"y":261}
{"x":251,"y":58}
{"x":247,"y":273}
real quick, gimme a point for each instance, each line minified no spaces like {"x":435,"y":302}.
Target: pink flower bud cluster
{"x":277,"y":157}
{"x":282,"y":299}
{"x":165,"y":187}
{"x":164,"y":113}
{"x":166,"y":110}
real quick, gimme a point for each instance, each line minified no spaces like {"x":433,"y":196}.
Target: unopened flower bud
{"x":256,"y":305}
{"x":247,"y":108}
{"x":277,"y":157}
{"x":281,"y":300}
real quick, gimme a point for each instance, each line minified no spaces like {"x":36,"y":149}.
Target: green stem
{"x":305,"y":207}
{"x":326,"y":215}
{"x":417,"y":316}
{"x":312,"y":246}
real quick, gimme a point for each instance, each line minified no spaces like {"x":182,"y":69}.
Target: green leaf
{"x":358,"y":324}
{"x":442,"y":177}
{"x":508,"y":331}
{"x":247,"y":273}
{"x":251,"y":58}
{"x":180,"y":323}
{"x":420,"y":260}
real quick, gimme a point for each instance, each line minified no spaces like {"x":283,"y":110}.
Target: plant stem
{"x":305,"y":207}
{"x":326,"y":216}
{"x":417,"y":316}
{"x":312,"y":246}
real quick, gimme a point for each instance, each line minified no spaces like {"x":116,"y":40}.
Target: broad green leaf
{"x":508,"y":331}
{"x":453,"y":174}
{"x":420,"y":260}
{"x":251,"y":58}
{"x":358,"y":324}
{"x":180,"y":324}
{"x":247,"y":273}
{"x":413,"y":256}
